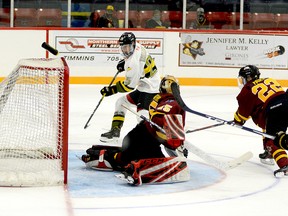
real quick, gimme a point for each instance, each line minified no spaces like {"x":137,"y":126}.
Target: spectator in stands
{"x":94,"y":19}
{"x":155,"y":21}
{"x":201,"y":21}
{"x":79,"y":20}
{"x":108,"y":20}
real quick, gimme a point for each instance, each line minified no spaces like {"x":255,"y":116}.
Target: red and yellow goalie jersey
{"x":164,"y":104}
{"x":254,"y":98}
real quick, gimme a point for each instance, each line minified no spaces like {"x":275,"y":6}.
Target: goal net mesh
{"x":34,"y":123}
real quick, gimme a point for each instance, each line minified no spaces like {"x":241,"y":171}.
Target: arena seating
{"x":4,"y":17}
{"x":49,"y":17}
{"x":235,"y":16}
{"x":144,"y":16}
{"x":174,"y":17}
{"x":33,"y":17}
{"x":262,"y":21}
{"x":25,"y":17}
{"x":281,"y":21}
{"x":218,"y":19}
{"x":190,"y":17}
{"x":133,"y":17}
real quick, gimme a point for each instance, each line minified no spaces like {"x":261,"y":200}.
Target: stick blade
{"x":86,"y":126}
{"x":239,"y":160}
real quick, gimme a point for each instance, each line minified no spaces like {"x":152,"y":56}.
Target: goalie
{"x":147,"y":154}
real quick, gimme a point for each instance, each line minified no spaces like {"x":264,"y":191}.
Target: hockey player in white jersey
{"x":141,"y":80}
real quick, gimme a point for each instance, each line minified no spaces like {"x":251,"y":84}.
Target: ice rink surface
{"x":250,"y":189}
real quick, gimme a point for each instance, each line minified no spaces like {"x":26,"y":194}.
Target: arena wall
{"x":92,"y":54}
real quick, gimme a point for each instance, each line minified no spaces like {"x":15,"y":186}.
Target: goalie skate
{"x":126,"y":177}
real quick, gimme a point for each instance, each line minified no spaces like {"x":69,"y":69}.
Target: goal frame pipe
{"x":65,"y":121}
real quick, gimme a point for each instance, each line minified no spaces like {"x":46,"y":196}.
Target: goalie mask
{"x":246,"y":74}
{"x":165,"y":84}
{"x":127,"y":43}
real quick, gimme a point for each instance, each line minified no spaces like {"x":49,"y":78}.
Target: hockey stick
{"x":100,"y":101}
{"x":200,"y":153}
{"x":49,"y":48}
{"x":207,"y":127}
{"x":219,"y":164}
{"x":180,"y":101}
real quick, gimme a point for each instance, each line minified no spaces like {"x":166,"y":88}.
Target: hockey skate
{"x":266,"y":158}
{"x":281,"y":172}
{"x":131,"y":174}
{"x":126,"y":177}
{"x":111,"y":135}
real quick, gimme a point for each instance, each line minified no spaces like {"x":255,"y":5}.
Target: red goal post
{"x":34,"y":112}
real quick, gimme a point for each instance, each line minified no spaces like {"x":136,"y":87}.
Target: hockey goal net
{"x":34,"y":123}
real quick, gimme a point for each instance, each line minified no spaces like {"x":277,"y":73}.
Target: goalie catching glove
{"x":101,"y":158}
{"x":109,"y":90}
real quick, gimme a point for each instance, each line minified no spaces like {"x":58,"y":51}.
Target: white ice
{"x":250,"y":189}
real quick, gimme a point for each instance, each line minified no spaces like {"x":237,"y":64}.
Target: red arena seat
{"x":49,"y":17}
{"x":144,"y":16}
{"x":263,"y":21}
{"x":281,"y":21}
{"x":133,"y":17}
{"x":190,"y":17}
{"x":174,"y":17}
{"x":218,"y":19}
{"x":25,"y":17}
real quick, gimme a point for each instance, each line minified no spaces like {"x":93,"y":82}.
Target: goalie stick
{"x":180,"y":101}
{"x":200,"y":153}
{"x":100,"y":101}
{"x":49,"y":48}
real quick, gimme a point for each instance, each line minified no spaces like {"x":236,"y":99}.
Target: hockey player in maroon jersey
{"x":147,"y":154}
{"x":265,"y":101}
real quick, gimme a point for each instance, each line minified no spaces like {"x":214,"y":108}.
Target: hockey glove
{"x":238,"y":119}
{"x":109,"y":90}
{"x":281,"y":140}
{"x":120,"y":65}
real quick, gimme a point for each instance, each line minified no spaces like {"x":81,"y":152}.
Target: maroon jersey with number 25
{"x":163,"y":104}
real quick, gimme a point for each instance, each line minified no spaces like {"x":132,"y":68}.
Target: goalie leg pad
{"x":157,"y":170}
